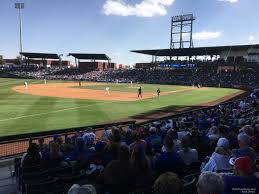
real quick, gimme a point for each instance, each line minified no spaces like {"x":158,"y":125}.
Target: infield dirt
{"x":66,"y":90}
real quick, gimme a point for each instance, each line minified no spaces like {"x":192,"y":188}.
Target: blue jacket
{"x":168,"y":161}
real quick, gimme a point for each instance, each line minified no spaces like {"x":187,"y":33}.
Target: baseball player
{"x":45,"y":81}
{"x":158,"y":92}
{"x":107,"y":91}
{"x":140,"y":92}
{"x":26,"y":85}
{"x":79,"y":83}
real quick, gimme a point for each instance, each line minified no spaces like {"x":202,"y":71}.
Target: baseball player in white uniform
{"x":107,"y":91}
{"x":26,"y":85}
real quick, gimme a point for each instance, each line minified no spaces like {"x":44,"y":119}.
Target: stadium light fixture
{"x":20,"y":6}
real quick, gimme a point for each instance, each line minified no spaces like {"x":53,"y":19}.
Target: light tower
{"x":181,"y":31}
{"x":20,"y":6}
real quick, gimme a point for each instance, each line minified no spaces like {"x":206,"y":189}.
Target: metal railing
{"x":18,"y":144}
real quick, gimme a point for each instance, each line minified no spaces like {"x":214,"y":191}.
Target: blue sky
{"x":117,"y":26}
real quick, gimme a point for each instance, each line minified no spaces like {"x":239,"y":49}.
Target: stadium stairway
{"x":7,"y":180}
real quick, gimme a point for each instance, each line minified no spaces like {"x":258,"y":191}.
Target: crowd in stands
{"x":219,"y":145}
{"x":202,"y":75}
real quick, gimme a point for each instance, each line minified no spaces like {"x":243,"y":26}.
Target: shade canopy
{"x":198,"y":51}
{"x":40,"y":55}
{"x":88,"y":56}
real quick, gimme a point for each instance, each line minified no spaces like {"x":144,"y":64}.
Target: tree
{"x":2,"y":61}
{"x":18,"y":60}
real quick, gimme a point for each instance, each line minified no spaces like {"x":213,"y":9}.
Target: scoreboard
{"x":177,"y":66}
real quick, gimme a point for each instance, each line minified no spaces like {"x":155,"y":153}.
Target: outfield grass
{"x":21,"y":113}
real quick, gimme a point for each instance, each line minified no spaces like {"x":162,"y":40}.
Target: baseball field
{"x":60,"y":104}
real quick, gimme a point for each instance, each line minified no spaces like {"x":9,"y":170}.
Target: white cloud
{"x":230,"y":1}
{"x":251,"y":38}
{"x":206,"y":35}
{"x":145,"y":8}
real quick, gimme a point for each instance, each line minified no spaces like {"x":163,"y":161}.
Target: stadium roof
{"x":198,"y":51}
{"x":90,"y":56}
{"x":40,"y":55}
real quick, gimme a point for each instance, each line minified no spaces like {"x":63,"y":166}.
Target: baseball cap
{"x":223,"y":142}
{"x":244,"y":138}
{"x":244,"y":164}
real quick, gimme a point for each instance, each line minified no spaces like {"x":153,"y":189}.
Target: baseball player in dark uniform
{"x":140,"y":92}
{"x":158,"y":92}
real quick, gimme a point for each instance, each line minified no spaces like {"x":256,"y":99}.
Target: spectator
{"x":106,"y":135}
{"x":168,"y":160}
{"x":248,"y":130}
{"x":153,"y":141}
{"x":200,"y":144}
{"x":128,"y":139}
{"x":99,"y":157}
{"x":243,"y":179}
{"x":256,"y":141}
{"x":80,"y":153}
{"x":32,"y":157}
{"x":183,"y":131}
{"x":213,"y":134}
{"x":43,"y":148}
{"x":141,"y":163}
{"x":84,"y":189}
{"x":168,"y":183}
{"x":210,"y":183}
{"x":219,"y":160}
{"x":187,"y":154}
{"x":244,"y":149}
{"x":177,"y":142}
{"x":120,"y":171}
{"x":137,"y":141}
{"x":54,"y":157}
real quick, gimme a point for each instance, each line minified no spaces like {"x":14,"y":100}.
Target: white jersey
{"x":26,"y":85}
{"x":107,"y":88}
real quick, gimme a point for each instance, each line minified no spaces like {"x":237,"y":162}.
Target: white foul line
{"x":61,"y":110}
